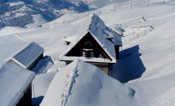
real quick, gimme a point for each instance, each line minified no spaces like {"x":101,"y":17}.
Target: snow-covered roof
{"x":10,"y":45}
{"x":19,"y":50}
{"x":14,"y":80}
{"x":100,"y":32}
{"x":26,"y":56}
{"x":82,"y":84}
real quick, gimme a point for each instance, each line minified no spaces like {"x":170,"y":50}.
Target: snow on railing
{"x":137,"y":32}
{"x":131,"y":22}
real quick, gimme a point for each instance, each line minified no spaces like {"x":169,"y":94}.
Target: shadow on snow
{"x":43,"y":65}
{"x":36,"y":101}
{"x":129,"y":66}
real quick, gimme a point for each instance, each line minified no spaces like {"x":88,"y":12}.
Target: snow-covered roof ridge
{"x":16,"y":79}
{"x":97,"y":27}
{"x":82,"y":84}
{"x":69,"y":84}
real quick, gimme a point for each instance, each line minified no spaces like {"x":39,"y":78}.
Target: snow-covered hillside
{"x":147,"y":58}
{"x":23,"y":12}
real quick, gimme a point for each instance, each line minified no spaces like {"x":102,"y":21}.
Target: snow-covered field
{"x":147,"y":58}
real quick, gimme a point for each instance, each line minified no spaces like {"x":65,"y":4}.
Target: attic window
{"x":88,"y":50}
{"x":110,"y":39}
{"x":67,"y":43}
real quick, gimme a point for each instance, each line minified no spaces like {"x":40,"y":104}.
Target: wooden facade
{"x":26,"y":99}
{"x":103,"y":66}
{"x":88,"y":47}
{"x":117,"y":49}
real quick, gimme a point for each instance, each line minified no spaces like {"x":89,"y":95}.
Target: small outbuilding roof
{"x":27,"y":55}
{"x":14,"y":80}
{"x":23,"y":52}
{"x":100,"y":32}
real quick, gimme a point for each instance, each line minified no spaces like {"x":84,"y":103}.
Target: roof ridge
{"x":69,"y":85}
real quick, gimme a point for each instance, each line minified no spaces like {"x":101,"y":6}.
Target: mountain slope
{"x":21,"y":12}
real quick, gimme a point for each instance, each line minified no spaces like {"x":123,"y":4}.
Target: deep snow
{"x":147,"y":58}
{"x":82,"y":84}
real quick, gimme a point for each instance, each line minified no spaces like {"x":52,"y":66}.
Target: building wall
{"x":26,"y":99}
{"x":103,"y":66}
{"x":78,"y":48}
{"x":35,"y":62}
{"x":11,"y":61}
{"x":117,"y":52}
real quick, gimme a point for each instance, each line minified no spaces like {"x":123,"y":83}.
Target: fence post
{"x":33,"y":91}
{"x":144,"y":32}
{"x":114,"y":8}
{"x":148,"y":3}
{"x":131,"y":5}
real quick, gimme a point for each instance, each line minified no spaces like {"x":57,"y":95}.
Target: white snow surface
{"x":14,"y":80}
{"x":82,"y":84}
{"x":10,"y":45}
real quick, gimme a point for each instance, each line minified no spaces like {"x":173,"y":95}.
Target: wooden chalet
{"x":15,"y":85}
{"x":94,"y":43}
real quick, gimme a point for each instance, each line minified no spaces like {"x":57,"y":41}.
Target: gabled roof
{"x":14,"y":80}
{"x":95,"y":26}
{"x":26,"y":56}
{"x":82,"y":84}
{"x":100,"y":32}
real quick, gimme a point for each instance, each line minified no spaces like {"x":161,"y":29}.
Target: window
{"x":100,"y":55}
{"x":88,"y":50}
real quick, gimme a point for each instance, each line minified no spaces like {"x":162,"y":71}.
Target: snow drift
{"x":82,"y":84}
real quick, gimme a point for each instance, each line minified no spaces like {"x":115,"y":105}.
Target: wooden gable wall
{"x":77,"y":49}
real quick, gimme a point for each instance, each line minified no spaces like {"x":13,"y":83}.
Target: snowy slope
{"x":146,"y":61}
{"x":153,"y":58}
{"x":35,"y":12}
{"x":81,"y":84}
